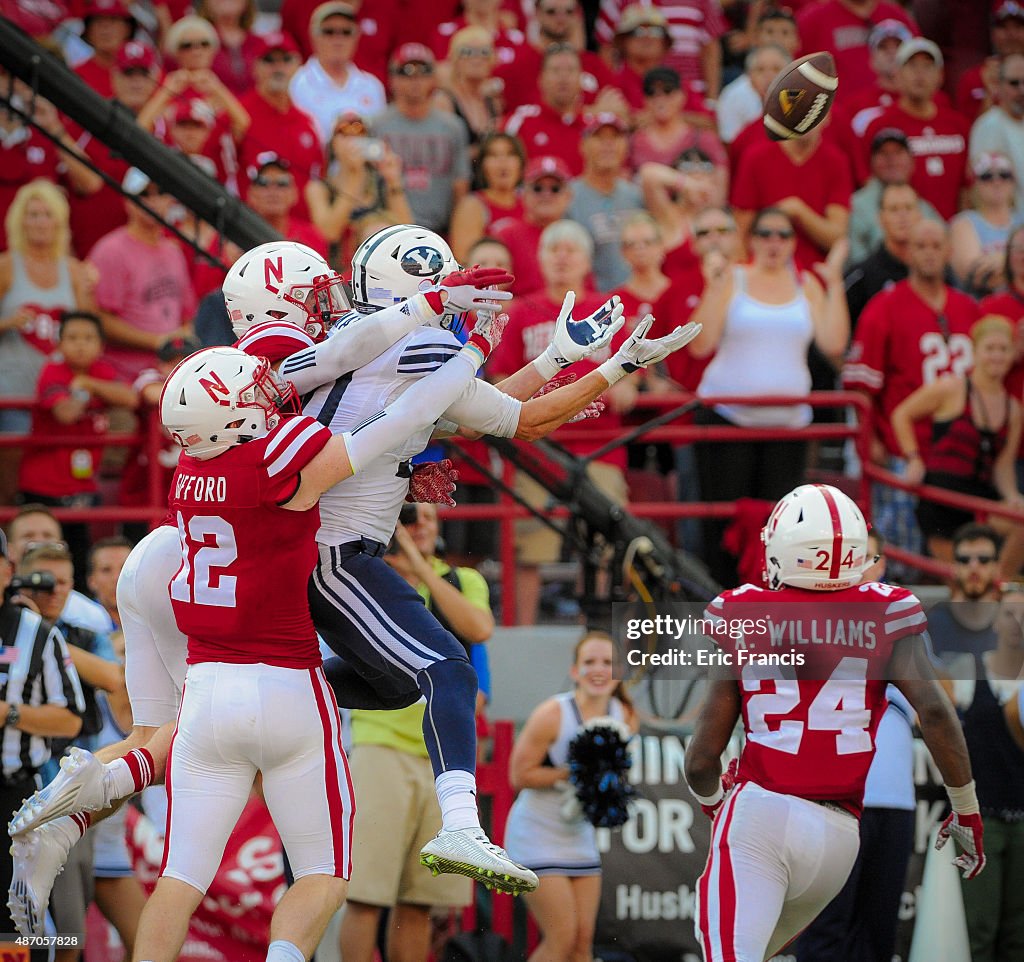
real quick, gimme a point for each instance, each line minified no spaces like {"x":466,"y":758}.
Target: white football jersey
{"x":367,"y":505}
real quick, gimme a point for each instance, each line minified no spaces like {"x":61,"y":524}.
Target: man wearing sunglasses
{"x":1001,"y":128}
{"x":329,"y":83}
{"x":277,"y":124}
{"x":546,"y":198}
{"x":432,"y":144}
{"x":965,"y":623}
{"x":272,"y":193}
{"x":937,"y":133}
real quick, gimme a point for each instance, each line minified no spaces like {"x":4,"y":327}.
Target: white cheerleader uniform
{"x":537,"y":835}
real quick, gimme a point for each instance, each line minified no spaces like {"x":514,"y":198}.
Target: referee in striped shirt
{"x":40,"y":699}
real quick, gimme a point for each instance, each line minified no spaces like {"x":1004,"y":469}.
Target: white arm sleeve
{"x":482,"y":407}
{"x":418,"y":408}
{"x":354,"y":343}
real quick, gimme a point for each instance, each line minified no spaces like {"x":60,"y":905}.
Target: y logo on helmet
{"x":214,"y":386}
{"x":273,"y":269}
{"x":422,"y":261}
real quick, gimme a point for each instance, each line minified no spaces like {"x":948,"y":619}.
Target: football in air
{"x":800,"y":97}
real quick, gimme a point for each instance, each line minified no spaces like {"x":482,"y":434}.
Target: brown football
{"x":800,"y":97}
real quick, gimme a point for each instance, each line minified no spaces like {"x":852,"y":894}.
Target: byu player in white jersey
{"x":366,"y":612}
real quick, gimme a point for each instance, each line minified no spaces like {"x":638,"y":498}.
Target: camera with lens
{"x":36,"y":581}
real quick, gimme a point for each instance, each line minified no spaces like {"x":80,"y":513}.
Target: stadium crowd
{"x":595,"y":147}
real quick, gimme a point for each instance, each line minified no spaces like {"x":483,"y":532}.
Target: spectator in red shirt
{"x":192,"y":43}
{"x":977,"y":89}
{"x":642,"y":42}
{"x":842,"y":27}
{"x":498,"y":173}
{"x":239,"y":46}
{"x":666,"y":132}
{"x":908,"y":335}
{"x":546,"y":198}
{"x":554,"y":125}
{"x":806,"y":178}
{"x":938,"y":135}
{"x":696,"y":27}
{"x":106,"y":26}
{"x":272,"y":194}
{"x":566,"y":250}
{"x":276,"y":123}
{"x":134,"y":78}
{"x":675,"y":196}
{"x":26,"y":154}
{"x":72,"y":397}
{"x":558,"y":22}
{"x":507,"y":39}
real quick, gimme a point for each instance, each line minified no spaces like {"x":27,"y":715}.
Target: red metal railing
{"x":506,"y":511}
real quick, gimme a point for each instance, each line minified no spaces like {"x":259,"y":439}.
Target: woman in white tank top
{"x":39,"y":280}
{"x":563,"y":853}
{"x":759,"y":321}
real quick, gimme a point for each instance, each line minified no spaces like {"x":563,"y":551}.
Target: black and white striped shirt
{"x":35,"y":669}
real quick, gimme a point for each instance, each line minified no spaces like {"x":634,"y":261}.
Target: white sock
{"x":456,"y":794}
{"x":118,"y":780}
{"x":281,"y":951}
{"x":69,"y":828}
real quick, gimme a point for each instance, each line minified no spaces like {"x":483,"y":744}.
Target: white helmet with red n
{"x":221,"y":397}
{"x":284,"y":281}
{"x":816,"y":538}
{"x":393,"y":264}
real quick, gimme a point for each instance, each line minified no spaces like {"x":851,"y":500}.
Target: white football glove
{"x":574,"y":340}
{"x":639,"y":352}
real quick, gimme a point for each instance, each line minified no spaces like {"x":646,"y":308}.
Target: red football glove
{"x":477,"y":276}
{"x":433,"y":483}
{"x":968,"y":832}
{"x":487,"y":332}
{"x":593,"y":410}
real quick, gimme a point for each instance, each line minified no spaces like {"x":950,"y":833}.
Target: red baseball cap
{"x":194,"y":111}
{"x":594,"y":122}
{"x":277,"y":40}
{"x":412,"y":53}
{"x":134,"y":55}
{"x":107,"y":8}
{"x":541,"y":167}
{"x":1007,"y":10}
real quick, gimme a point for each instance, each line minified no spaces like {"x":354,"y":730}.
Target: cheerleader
{"x":562,"y":851}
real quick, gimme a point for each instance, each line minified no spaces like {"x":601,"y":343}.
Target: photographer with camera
{"x":40,"y":696}
{"x":388,"y":750}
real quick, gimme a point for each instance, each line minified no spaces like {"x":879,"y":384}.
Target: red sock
{"x":83,"y":820}
{"x":140,"y":763}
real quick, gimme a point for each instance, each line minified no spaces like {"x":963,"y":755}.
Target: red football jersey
{"x":811,"y":727}
{"x":274,"y":340}
{"x":939,"y":146}
{"x":902,"y":343}
{"x":240,"y":593}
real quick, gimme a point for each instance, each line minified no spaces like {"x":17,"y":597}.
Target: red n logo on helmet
{"x":273,"y":269}
{"x":215,"y":387}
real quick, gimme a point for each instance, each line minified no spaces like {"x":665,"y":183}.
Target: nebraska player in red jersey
{"x":786,"y":836}
{"x":255,"y":696}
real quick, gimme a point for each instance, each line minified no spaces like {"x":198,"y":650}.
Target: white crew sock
{"x":456,"y":794}
{"x":281,"y":951}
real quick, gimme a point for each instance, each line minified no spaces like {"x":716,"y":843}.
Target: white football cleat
{"x":39,"y":857}
{"x":469,"y":852}
{"x":78,"y":787}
